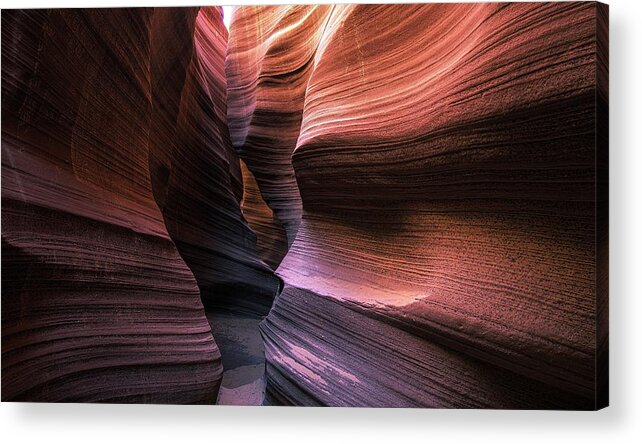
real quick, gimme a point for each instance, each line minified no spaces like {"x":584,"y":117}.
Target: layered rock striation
{"x":120,"y":197}
{"x":270,"y":58}
{"x":446,"y":254}
{"x":271,"y":239}
{"x":422,"y":178}
{"x":196,"y":175}
{"x":97,"y":303}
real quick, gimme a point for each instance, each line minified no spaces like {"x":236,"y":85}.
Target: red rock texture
{"x":430,"y":183}
{"x":97,"y":106}
{"x":446,"y":165}
{"x":196,"y":175}
{"x":271,"y":241}
{"x":270,"y":58}
{"x":602,"y":204}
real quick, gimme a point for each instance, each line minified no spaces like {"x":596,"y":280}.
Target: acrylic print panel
{"x":330,"y":205}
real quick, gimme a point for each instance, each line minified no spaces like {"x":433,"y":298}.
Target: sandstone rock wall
{"x":196,"y":174}
{"x":120,"y":191}
{"x":422,"y":178}
{"x":445,"y":163}
{"x":270,"y":58}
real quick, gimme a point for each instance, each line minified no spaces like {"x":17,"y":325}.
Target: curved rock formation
{"x":97,"y":303}
{"x":269,"y":61}
{"x":196,"y":174}
{"x":271,"y":240}
{"x":446,"y":253}
{"x":424,"y":179}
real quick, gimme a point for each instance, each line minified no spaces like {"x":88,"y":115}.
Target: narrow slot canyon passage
{"x":237,"y":334}
{"x":311,"y":205}
{"x":236,"y":328}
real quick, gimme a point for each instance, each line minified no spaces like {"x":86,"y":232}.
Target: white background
{"x":622,"y":422}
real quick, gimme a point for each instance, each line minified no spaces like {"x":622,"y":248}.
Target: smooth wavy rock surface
{"x":426,"y":180}
{"x":196,"y":174}
{"x":271,"y":241}
{"x":269,"y":61}
{"x":446,"y":254}
{"x":97,"y":303}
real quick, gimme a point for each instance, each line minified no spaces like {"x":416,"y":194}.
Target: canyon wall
{"x":196,"y":175}
{"x":120,"y":197}
{"x":417,"y":183}
{"x":269,"y":61}
{"x":445,"y":163}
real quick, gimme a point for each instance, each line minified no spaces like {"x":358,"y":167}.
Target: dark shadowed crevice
{"x":196,"y":182}
{"x":236,"y":282}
